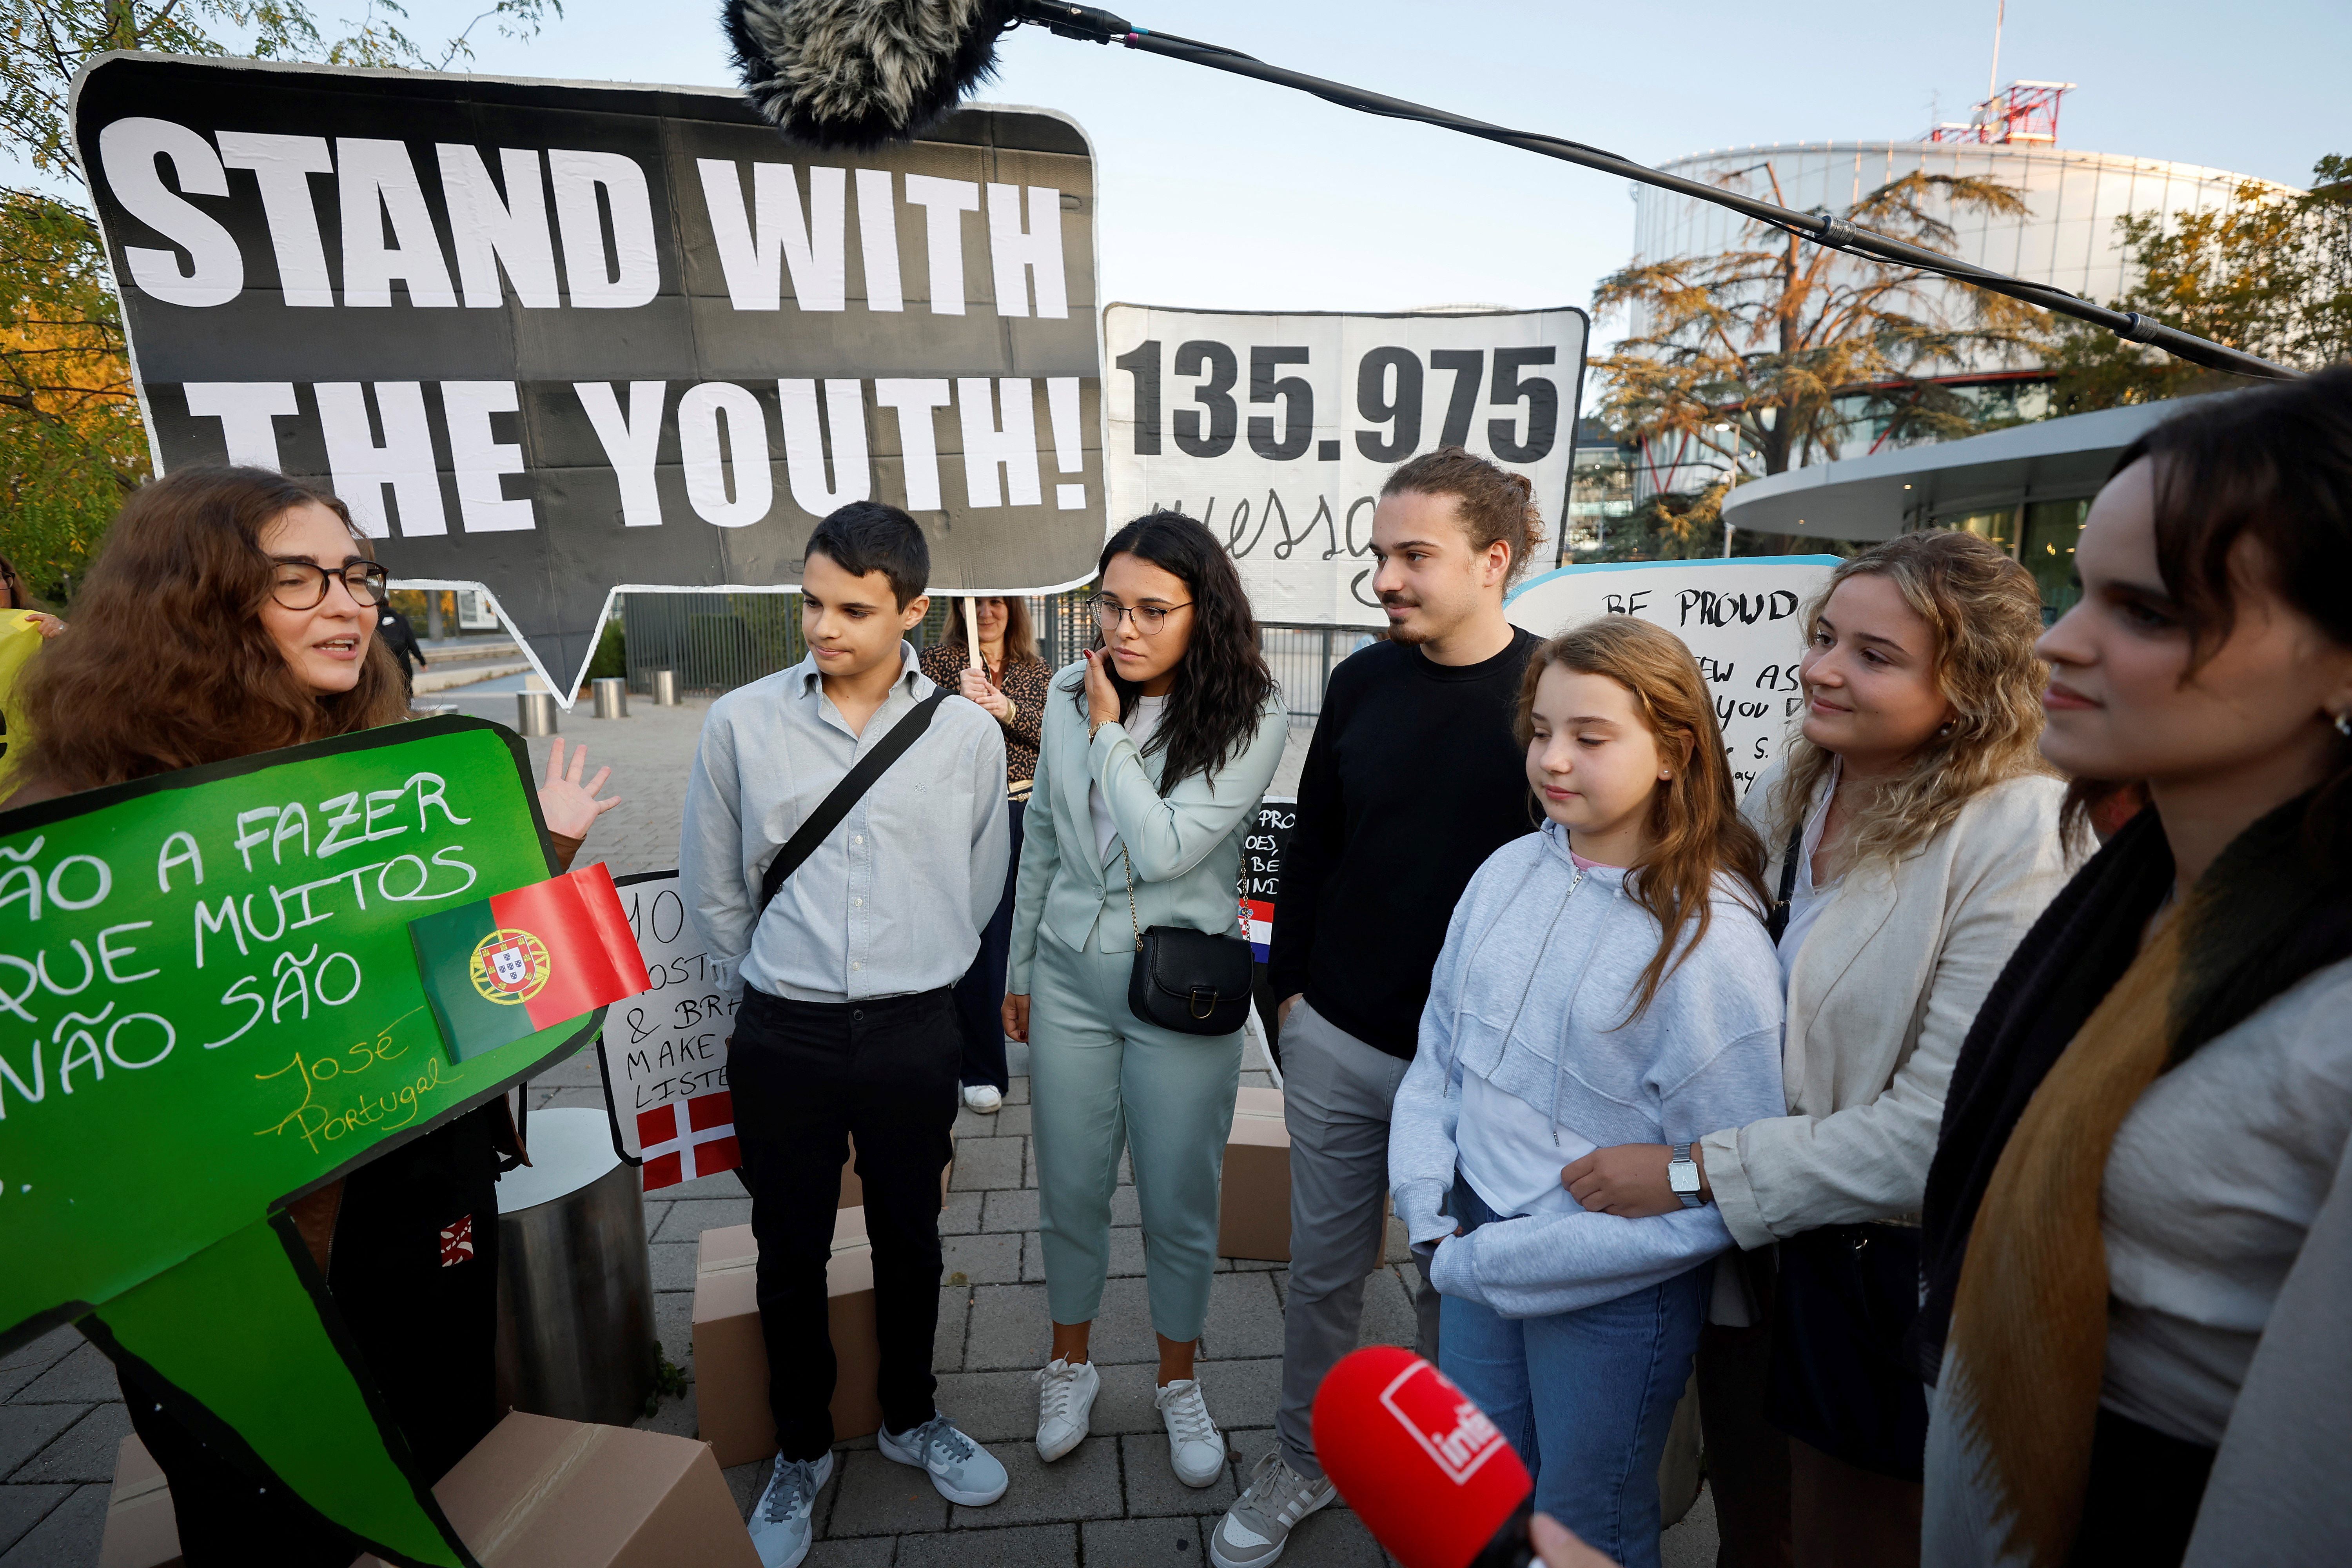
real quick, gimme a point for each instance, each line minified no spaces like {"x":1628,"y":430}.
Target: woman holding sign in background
{"x":1011,"y":684}
{"x":233,"y":611}
{"x":1914,"y":839}
{"x":1156,"y":750}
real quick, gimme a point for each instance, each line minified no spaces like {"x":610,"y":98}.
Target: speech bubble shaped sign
{"x":209,"y":1007}
{"x":557,"y":340}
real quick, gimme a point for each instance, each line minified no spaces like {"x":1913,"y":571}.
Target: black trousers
{"x":390,"y":1286}
{"x":806,"y":1076}
{"x":980,"y":994}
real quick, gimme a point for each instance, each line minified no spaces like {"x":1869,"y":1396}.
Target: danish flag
{"x":689,"y":1138}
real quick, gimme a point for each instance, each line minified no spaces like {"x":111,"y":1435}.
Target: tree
{"x":2270,"y":273}
{"x":1768,"y":350}
{"x":71,"y":443}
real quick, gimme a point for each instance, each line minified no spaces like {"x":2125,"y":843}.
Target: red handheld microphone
{"x":1422,"y":1465}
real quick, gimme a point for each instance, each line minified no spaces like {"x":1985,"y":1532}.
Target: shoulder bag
{"x":1187,"y":981}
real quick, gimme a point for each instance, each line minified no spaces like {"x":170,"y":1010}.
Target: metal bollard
{"x":664,"y":688}
{"x":575,"y":1281}
{"x":612,"y":697}
{"x":535,"y":712}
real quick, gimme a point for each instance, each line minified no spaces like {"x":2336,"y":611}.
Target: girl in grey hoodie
{"x":1606,"y":979}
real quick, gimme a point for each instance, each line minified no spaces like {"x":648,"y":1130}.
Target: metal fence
{"x":716,"y":642}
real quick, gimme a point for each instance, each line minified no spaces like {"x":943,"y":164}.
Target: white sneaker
{"x":961,"y":1469}
{"x":984,"y":1098}
{"x":1196,"y":1447}
{"x":1257,"y":1528}
{"x":780,"y":1522}
{"x":1066,"y":1398}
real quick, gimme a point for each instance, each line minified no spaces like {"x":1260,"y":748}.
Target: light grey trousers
{"x":1337,"y":1092}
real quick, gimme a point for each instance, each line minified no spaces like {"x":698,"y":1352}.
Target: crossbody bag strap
{"x":1778,"y":920}
{"x":853,"y":783}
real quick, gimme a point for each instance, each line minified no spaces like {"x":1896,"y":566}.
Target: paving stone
{"x":1251,"y":1265}
{"x":678,"y":1416}
{"x":580,"y":1070}
{"x":961,"y":1215}
{"x":1144,"y":1543}
{"x":1124,"y":1208}
{"x":672,"y":1264}
{"x":1013,"y":1121}
{"x":69,"y":1532}
{"x":1245,"y":1319}
{"x":1026,"y":1546}
{"x":1122,"y":1331}
{"x":687,"y":1221}
{"x":1333,"y":1537}
{"x":1018,"y":1093}
{"x":1152,"y":1488}
{"x":1242,"y":1393}
{"x":84,"y":1451}
{"x":1008,"y":1328}
{"x":870,"y":1551}
{"x":986,"y":1164}
{"x":591,"y":1098}
{"x":26,"y":1429}
{"x":983,"y":1259}
{"x":1125,"y":1403}
{"x":1010,"y":1210}
{"x":1387,"y":1309}
{"x":991,"y":1408}
{"x":1692,"y":1541}
{"x":876,"y":1496}
{"x":1127,"y":1252}
{"x":45,"y":1352}
{"x":84,"y":1377}
{"x":23,"y":1507}
{"x":948,"y":1338}
{"x":1081,"y":1484}
{"x":674,"y":1326}
{"x":725,"y":1185}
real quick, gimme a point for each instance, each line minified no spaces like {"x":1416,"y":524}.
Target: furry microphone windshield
{"x":856,"y":73}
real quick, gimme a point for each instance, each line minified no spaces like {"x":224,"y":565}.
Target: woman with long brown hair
{"x":232,"y":611}
{"x":1916,"y":836}
{"x":1011,"y":684}
{"x":1606,"y":978}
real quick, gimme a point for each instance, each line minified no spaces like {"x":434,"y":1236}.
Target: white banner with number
{"x":1278,"y":431}
{"x":1743,"y":620}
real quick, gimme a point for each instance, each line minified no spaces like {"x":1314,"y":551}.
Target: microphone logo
{"x":1450,"y":1429}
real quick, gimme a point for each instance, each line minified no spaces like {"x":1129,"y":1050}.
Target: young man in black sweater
{"x":1414,"y":778}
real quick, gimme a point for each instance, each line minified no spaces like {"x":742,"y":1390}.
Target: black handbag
{"x":1186,"y":980}
{"x":1840,"y":1380}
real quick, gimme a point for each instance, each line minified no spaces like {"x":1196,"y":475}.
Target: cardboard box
{"x":1254,"y":1202}
{"x":542,"y":1493}
{"x":141,"y":1531}
{"x":853,"y":1191}
{"x":731,"y":1355}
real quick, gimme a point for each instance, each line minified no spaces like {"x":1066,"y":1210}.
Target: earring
{"x":1945,"y":729}
{"x":2343,"y":724}
{"x":1666,"y":773}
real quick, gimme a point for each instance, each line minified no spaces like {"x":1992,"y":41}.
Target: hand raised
{"x":1102,"y":697}
{"x":570,"y":807}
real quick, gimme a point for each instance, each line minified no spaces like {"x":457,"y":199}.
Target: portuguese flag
{"x":519,"y":962}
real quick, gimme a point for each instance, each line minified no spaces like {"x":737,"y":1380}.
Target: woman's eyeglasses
{"x":299,"y":585}
{"x":1149,"y":618}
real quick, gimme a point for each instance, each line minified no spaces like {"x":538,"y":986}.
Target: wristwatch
{"x":1682,"y":1176}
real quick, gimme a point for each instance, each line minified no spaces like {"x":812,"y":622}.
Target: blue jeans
{"x":1586,"y":1398}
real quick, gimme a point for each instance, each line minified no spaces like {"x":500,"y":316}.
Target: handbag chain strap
{"x":1133,"y":924}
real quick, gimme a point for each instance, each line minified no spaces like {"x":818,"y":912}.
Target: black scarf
{"x":2274,"y":906}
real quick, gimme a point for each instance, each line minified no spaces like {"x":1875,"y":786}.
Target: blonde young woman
{"x":1914,"y":838}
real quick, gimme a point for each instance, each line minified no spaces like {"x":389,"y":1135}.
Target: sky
{"x":1219,"y":192}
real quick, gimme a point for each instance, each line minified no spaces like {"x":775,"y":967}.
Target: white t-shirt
{"x":1140,"y":726}
{"x":1806,"y":900}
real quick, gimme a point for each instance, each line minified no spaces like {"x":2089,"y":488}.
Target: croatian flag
{"x":689,"y":1138}
{"x":1258,"y":919}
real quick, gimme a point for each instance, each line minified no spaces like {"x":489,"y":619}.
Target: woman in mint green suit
{"x":1157,"y":748}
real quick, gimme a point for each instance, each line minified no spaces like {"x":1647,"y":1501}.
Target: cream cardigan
{"x":1880,"y":995}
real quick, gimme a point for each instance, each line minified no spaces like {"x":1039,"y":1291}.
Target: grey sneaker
{"x":961,"y":1469}
{"x":1255,"y":1530}
{"x":780,"y":1522}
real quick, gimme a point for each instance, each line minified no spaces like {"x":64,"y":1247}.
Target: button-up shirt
{"x":895,"y":900}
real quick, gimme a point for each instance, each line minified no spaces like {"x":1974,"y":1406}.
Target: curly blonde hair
{"x":1986,"y":613}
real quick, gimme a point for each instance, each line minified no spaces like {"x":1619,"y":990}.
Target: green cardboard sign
{"x":209,"y":1007}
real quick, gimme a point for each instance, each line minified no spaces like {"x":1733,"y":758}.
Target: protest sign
{"x":209,"y":1007}
{"x":1741,"y":618}
{"x":665,"y":1053}
{"x":551,"y":340}
{"x":1278,"y":429}
{"x":1261,"y":875}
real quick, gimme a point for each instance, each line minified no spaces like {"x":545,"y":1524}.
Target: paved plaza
{"x":1113,"y":1502}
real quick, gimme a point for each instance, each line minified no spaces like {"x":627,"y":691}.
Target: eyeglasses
{"x":299,"y":585}
{"x":1149,"y":618}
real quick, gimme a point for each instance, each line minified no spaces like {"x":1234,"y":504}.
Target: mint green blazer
{"x":1186,"y":848}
